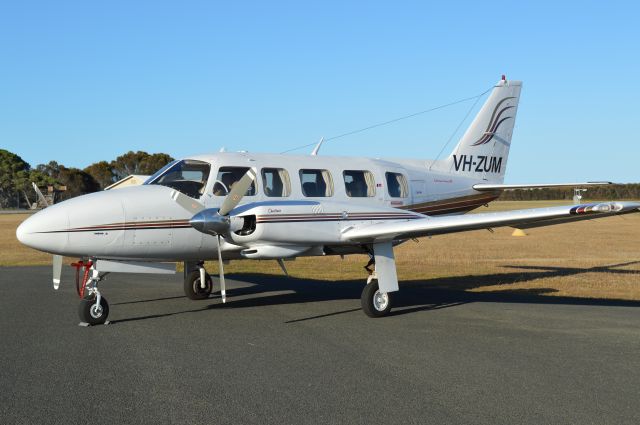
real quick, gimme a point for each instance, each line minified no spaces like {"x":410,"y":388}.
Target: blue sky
{"x":85,"y":81}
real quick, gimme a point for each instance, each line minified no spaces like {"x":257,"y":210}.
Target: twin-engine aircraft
{"x":259,"y":206}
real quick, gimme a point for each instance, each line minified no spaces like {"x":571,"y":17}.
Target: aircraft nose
{"x":45,"y":230}
{"x":22,"y":232}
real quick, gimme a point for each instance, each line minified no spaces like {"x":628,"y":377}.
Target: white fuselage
{"x":145,"y":223}
{"x":428,"y":185}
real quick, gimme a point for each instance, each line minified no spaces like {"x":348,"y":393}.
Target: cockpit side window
{"x":187,"y":176}
{"x":227,"y":177}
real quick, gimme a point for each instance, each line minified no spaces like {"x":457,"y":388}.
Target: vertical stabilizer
{"x":483,"y":150}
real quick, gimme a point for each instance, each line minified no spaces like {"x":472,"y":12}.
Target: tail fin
{"x":484,"y":148}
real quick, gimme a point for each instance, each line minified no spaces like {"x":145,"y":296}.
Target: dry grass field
{"x":594,"y":259}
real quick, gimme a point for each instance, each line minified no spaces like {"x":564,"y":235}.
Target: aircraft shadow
{"x":148,"y":301}
{"x":414,"y":296}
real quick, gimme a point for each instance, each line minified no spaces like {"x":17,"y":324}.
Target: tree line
{"x":16,"y":175}
{"x":608,"y":192}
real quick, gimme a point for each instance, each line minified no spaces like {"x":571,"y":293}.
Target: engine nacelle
{"x":303,"y":224}
{"x":299,"y":224}
{"x":271,"y":252}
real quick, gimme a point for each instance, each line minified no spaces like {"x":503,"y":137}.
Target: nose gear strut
{"x":93,"y":308}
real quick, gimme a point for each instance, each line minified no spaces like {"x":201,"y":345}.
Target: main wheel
{"x":92,"y":313}
{"x":375,"y":303}
{"x":192,"y":288}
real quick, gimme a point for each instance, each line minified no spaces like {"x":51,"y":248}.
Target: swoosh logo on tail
{"x":494,"y":122}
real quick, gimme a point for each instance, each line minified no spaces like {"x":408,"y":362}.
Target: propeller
{"x":57,"y":271}
{"x":186,"y":202}
{"x":217,"y":222}
{"x":238,"y":190}
{"x":223,"y":286}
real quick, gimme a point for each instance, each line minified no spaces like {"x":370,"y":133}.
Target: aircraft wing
{"x":491,"y":187}
{"x":535,"y":217}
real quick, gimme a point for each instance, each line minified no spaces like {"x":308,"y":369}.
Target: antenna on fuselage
{"x":315,"y":150}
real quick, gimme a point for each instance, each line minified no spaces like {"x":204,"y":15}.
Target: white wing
{"x":519,"y":218}
{"x":482,"y":187}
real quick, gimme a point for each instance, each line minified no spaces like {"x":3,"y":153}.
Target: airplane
{"x":241,"y":205}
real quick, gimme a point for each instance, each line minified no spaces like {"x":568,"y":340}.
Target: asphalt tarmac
{"x":287,"y":351}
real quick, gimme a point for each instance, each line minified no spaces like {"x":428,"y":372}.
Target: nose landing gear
{"x":93,"y":308}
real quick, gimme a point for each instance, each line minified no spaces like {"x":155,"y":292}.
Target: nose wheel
{"x":93,"y":311}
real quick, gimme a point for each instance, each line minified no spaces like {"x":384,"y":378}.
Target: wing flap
{"x":535,"y":217}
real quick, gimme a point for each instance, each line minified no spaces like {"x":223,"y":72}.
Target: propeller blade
{"x":57,"y":271}
{"x":223,"y":289}
{"x":238,"y":191}
{"x":186,"y":202}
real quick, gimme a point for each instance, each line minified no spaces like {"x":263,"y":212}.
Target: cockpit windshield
{"x":187,"y":176}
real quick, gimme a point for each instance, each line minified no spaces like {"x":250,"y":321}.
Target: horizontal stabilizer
{"x":490,"y":187}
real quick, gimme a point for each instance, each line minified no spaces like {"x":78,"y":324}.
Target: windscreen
{"x":187,"y":176}
{"x":160,"y":172}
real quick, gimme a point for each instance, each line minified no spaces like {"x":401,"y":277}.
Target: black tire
{"x":373,"y":301}
{"x":192,"y":287}
{"x":90,"y":313}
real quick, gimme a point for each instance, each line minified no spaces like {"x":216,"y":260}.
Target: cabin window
{"x":359,"y":183}
{"x":187,"y":176}
{"x":316,"y":183}
{"x":227,"y":177}
{"x":276,"y":182}
{"x":397,"y":185}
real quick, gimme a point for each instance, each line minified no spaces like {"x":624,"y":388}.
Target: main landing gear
{"x":193,"y":287}
{"x":197,"y":283}
{"x":375,"y":303}
{"x":93,"y":308}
